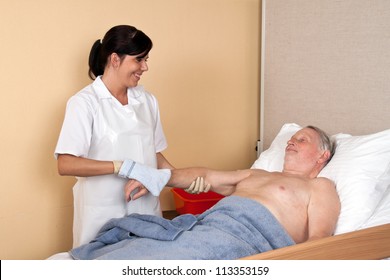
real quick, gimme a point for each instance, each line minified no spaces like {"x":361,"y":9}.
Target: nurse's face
{"x":131,"y":69}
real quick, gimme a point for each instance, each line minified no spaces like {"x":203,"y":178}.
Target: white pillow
{"x":272,"y":158}
{"x":381,"y":214}
{"x":356,"y":168}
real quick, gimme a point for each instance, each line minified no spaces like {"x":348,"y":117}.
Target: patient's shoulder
{"x":324,"y":182}
{"x":325,"y":190}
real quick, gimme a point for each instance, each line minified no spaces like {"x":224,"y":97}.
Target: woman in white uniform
{"x":108,"y":121}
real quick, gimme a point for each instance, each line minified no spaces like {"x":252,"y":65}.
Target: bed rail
{"x":366,"y":244}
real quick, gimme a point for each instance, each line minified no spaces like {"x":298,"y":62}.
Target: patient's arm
{"x":323,"y":209}
{"x":222,"y":182}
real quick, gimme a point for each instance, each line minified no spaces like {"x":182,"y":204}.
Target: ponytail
{"x":96,"y":67}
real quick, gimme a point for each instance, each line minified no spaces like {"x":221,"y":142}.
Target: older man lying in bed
{"x":261,"y":211}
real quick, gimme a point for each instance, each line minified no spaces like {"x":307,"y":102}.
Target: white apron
{"x":119,"y":132}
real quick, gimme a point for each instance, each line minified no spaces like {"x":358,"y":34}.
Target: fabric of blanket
{"x":235,"y":227}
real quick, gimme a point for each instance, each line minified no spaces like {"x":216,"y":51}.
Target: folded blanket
{"x":235,"y":227}
{"x":137,"y":225}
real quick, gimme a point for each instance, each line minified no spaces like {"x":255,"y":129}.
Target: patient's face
{"x":303,"y":150}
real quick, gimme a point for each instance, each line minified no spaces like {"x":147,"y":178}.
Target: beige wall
{"x":204,"y":70}
{"x":333,"y":55}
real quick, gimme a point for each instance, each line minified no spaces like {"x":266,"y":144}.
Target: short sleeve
{"x":75,"y":135}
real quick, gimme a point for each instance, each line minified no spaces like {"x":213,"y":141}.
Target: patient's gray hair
{"x":326,"y":141}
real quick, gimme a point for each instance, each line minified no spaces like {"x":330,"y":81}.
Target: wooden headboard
{"x":325,"y":63}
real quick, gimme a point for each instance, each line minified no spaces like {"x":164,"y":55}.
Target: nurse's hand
{"x":134,"y":190}
{"x":153,"y":179}
{"x":198,"y":186}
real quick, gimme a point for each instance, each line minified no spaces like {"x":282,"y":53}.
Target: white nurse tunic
{"x":97,"y":126}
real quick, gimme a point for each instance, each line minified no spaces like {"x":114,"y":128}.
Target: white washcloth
{"x":153,"y":179}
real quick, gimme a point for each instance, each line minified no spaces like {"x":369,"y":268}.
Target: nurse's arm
{"x":70,"y":165}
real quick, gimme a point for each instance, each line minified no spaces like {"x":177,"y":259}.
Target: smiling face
{"x":123,"y":72}
{"x":303,"y":153}
{"x":131,"y":69}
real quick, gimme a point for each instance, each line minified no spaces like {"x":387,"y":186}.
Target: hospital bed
{"x":361,"y":171}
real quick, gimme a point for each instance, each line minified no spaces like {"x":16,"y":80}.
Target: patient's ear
{"x":324,"y":157}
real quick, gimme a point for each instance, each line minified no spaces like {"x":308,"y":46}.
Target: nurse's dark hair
{"x":326,"y":142}
{"x":122,"y":40}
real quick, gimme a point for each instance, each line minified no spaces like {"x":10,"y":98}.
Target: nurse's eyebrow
{"x":143,"y":55}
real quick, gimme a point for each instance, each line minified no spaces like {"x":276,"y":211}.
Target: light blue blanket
{"x":235,"y":227}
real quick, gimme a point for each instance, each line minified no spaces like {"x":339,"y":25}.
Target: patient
{"x":261,"y":211}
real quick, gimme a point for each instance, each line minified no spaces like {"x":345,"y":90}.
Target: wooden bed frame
{"x":366,"y":244}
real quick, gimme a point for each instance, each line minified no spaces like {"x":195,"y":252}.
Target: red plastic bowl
{"x":187,"y":203}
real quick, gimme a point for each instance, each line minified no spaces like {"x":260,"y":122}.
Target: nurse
{"x":108,"y":121}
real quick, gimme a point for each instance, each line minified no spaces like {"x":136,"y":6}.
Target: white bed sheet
{"x":64,"y":256}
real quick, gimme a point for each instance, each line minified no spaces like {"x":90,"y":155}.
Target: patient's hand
{"x":134,"y":190}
